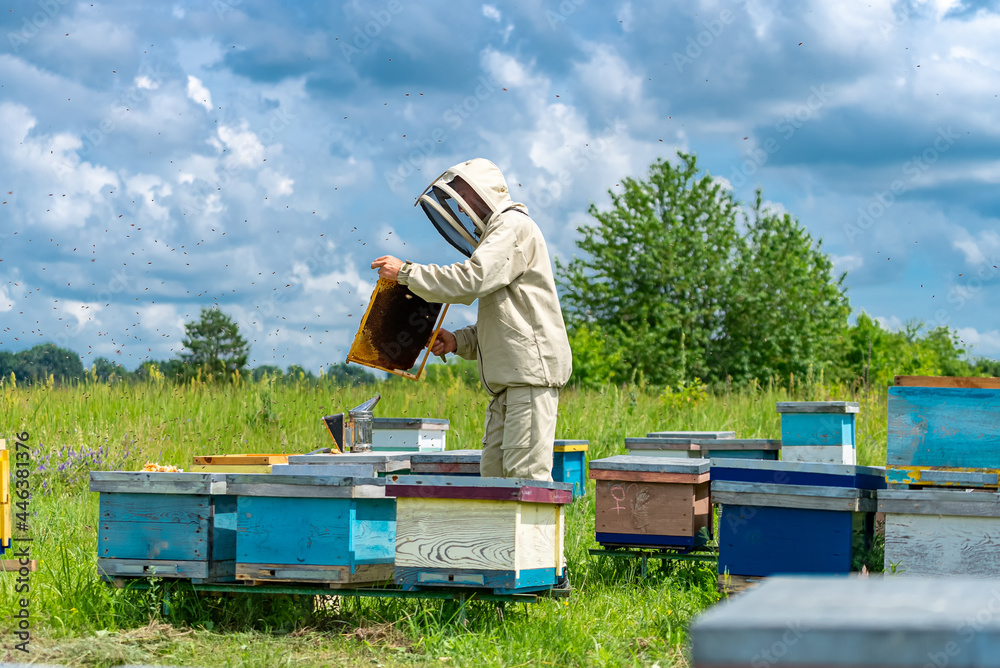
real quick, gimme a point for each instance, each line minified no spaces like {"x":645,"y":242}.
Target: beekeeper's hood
{"x":461,"y":202}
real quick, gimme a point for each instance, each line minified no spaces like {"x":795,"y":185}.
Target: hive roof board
{"x":411,"y":423}
{"x":691,"y":434}
{"x":447,"y":457}
{"x":806,"y":497}
{"x":818,"y":406}
{"x":650,"y":464}
{"x":150,"y":482}
{"x":476,"y":488}
{"x":955,"y":502}
{"x":799,"y":473}
{"x":853,"y":621}
{"x":654,"y":443}
{"x":383,"y":462}
{"x":305,"y":486}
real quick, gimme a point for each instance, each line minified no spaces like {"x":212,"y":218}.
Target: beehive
{"x":818,"y":431}
{"x":333,"y":530}
{"x":241,"y":463}
{"x":856,"y":622}
{"x":941,"y":532}
{"x":656,"y":502}
{"x":700,"y":448}
{"x":359,"y":464}
{"x":569,"y":464}
{"x":165,"y":525}
{"x":409,"y":434}
{"x":501,"y":534}
{"x":793,"y":517}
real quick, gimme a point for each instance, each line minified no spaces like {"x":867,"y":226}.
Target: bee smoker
{"x":354,"y":433}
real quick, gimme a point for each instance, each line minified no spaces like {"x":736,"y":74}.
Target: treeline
{"x":678,"y":282}
{"x":48,"y":361}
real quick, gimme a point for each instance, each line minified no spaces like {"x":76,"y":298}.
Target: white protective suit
{"x":519,"y":339}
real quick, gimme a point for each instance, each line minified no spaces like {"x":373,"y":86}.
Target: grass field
{"x":614,"y":618}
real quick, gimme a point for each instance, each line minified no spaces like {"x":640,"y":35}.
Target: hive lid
{"x":853,"y":621}
{"x":304,"y":486}
{"x":447,"y":457}
{"x":799,"y":473}
{"x":651,"y":464}
{"x":818,"y":406}
{"x":478,"y":489}
{"x":240,"y":459}
{"x":151,"y":482}
{"x":691,"y":434}
{"x":928,"y":501}
{"x":410,"y":423}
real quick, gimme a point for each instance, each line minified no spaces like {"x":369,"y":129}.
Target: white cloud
{"x":198,"y":93}
{"x":492,"y":13}
{"x":5,"y":302}
{"x":980,"y":343}
{"x":848,"y":263}
{"x":243,"y":146}
{"x":146,"y":83}
{"x":608,"y":76}
{"x":980,"y":249}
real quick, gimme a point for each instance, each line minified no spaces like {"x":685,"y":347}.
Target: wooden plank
{"x":110,"y":569}
{"x":15,"y":565}
{"x":333,"y":471}
{"x":240,"y":460}
{"x":947,"y":381}
{"x":650,"y":508}
{"x":799,"y":473}
{"x":537,"y":535}
{"x":449,"y":456}
{"x":942,"y":545}
{"x":739,"y":444}
{"x":391,"y":461}
{"x":692,"y":434}
{"x":844,"y":407}
{"x":824,"y":454}
{"x":455,"y":468}
{"x":943,"y":427}
{"x":142,"y":482}
{"x":153,"y":540}
{"x":939,"y":502}
{"x":737,"y":584}
{"x":169,"y":508}
{"x":946,"y":477}
{"x":213,"y":468}
{"x":640,"y":444}
{"x":645,"y":476}
{"x":793,"y":496}
{"x":861,"y":622}
{"x":525,"y":494}
{"x":430,"y":535}
{"x":410,"y":423}
{"x":310,"y":573}
{"x":650,"y":464}
{"x":571,"y":446}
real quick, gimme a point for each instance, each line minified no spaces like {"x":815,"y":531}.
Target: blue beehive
{"x":165,"y":525}
{"x":569,"y":464}
{"x":313,"y":528}
{"x":818,"y":431}
{"x":944,"y":436}
{"x":792,"y":517}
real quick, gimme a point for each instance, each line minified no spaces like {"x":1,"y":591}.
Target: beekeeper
{"x":519,"y":339}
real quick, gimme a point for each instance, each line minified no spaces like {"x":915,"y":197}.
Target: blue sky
{"x":160,"y":157}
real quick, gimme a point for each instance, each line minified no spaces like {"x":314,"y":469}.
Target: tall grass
{"x":616,"y":617}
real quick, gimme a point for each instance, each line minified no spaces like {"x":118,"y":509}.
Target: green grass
{"x":615,"y":617}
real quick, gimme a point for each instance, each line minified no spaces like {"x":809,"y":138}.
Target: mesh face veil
{"x":451,"y":214}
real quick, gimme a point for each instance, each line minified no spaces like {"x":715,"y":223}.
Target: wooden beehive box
{"x":944,"y":432}
{"x":941,"y":532}
{"x":243,"y":463}
{"x":331,"y":530}
{"x":409,"y":434}
{"x":165,"y":525}
{"x":360,"y":464}
{"x":569,"y":464}
{"x":702,"y":448}
{"x":656,"y":502}
{"x":793,"y":517}
{"x":494,"y":533}
{"x":818,"y":431}
{"x":6,"y":514}
{"x":855,"y":622}
{"x":450,"y":462}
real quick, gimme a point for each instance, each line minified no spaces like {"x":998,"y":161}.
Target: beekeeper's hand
{"x":388,"y":267}
{"x":444,"y":343}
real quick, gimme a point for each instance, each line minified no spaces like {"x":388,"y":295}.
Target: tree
{"x":670,"y":282}
{"x":656,"y":273}
{"x":215,"y":345}
{"x":44,"y":360}
{"x":785,"y":311}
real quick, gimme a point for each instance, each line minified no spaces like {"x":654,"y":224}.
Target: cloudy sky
{"x":159,"y":157}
